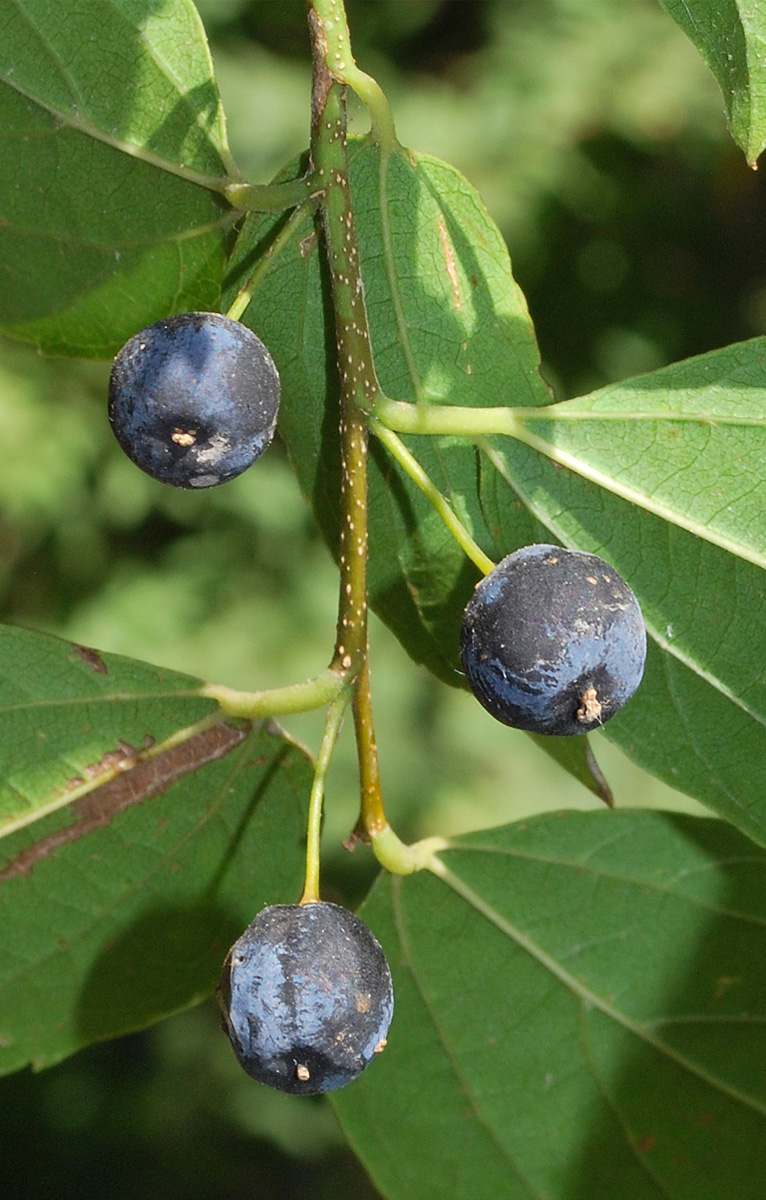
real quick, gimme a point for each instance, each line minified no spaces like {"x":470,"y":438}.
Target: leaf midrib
{"x":613,"y":876}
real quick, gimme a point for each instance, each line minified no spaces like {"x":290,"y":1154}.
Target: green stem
{"x":358,"y":382}
{"x":401,"y":859}
{"x":266,"y":262}
{"x":332,"y":729}
{"x":359,"y":389}
{"x":270,"y":197}
{"x":454,"y":420}
{"x":278,"y":702}
{"x":335,"y":46}
{"x":372,"y":816}
{"x":410,"y":464}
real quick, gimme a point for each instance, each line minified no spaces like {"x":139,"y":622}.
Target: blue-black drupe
{"x":306,"y":997}
{"x":193,"y":400}
{"x":553,"y":641}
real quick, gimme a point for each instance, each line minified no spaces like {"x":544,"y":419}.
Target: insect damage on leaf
{"x":138,"y":781}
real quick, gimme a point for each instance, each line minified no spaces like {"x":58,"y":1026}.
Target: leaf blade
{"x":139,"y":912}
{"x":698,"y":721}
{"x":730,"y":36}
{"x":687,"y":442}
{"x":72,"y":717}
{"x":542,"y":972}
{"x":114,"y":158}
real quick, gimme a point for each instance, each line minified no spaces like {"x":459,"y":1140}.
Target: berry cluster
{"x":552,"y":641}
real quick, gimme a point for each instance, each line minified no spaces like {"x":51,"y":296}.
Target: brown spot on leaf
{"x":646,"y":1143}
{"x":138,"y":780}
{"x":91,"y":658}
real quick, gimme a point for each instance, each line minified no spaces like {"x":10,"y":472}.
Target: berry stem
{"x":333,"y":724}
{"x":421,"y":479}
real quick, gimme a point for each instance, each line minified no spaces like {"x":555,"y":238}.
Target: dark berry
{"x":553,"y":641}
{"x":306,"y":997}
{"x":193,"y":400}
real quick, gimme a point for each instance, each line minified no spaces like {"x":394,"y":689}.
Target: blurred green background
{"x":596,"y":137}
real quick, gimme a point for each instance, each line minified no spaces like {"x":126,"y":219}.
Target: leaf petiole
{"x":400,"y":859}
{"x":270,"y":197}
{"x":279,"y":702}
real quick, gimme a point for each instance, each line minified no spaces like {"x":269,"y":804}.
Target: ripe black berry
{"x":306,"y":997}
{"x":553,"y":641}
{"x":193,"y":400}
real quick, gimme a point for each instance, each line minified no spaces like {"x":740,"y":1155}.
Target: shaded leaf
{"x":731,"y":37}
{"x":113,"y":159}
{"x":447,"y":322}
{"x":105,"y":933}
{"x":580,"y":1007}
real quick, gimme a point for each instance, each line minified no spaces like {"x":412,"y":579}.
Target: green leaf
{"x":124,"y":914}
{"x":71,"y":718}
{"x":699,"y":718}
{"x":687,"y":443}
{"x":579,"y":1012}
{"x":447,"y":322}
{"x":731,"y":37}
{"x":113,"y":159}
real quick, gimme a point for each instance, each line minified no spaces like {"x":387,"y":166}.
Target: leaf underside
{"x":580,"y":1011}
{"x":731,"y":37}
{"x":663,"y":475}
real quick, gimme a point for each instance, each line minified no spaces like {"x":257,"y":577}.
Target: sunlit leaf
{"x":113,"y":159}
{"x":731,"y":37}
{"x":71,"y":717}
{"x":698,"y":719}
{"x":687,"y":443}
